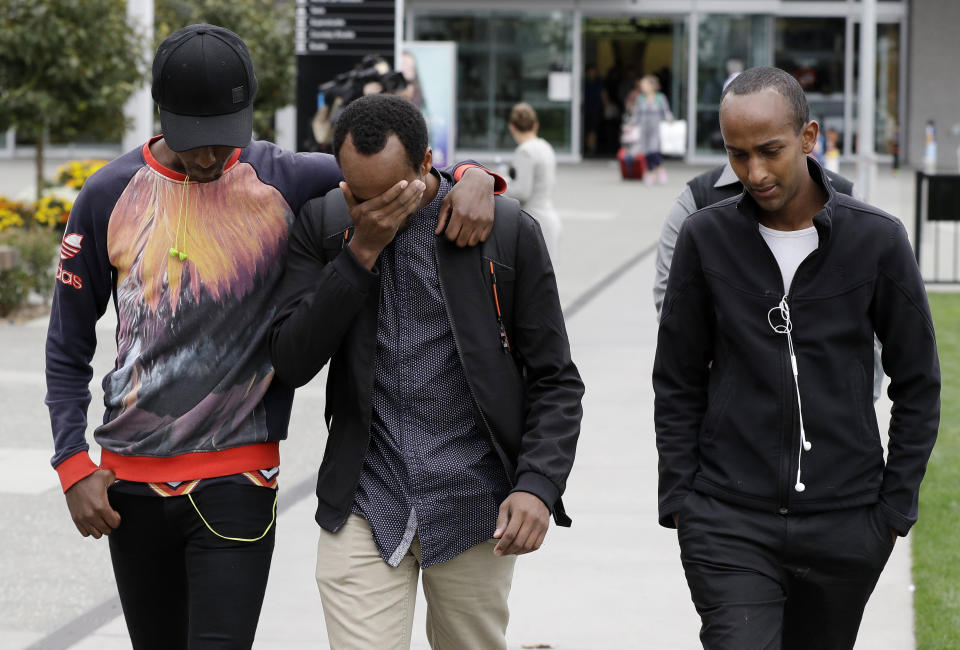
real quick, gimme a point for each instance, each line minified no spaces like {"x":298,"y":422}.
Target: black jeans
{"x":761,"y":580}
{"x":182,"y":586}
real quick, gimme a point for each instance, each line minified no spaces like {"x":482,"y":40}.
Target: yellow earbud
{"x":174,"y":252}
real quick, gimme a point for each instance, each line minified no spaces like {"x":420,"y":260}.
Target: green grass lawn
{"x":936,"y":537}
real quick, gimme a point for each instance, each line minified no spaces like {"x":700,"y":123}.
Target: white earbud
{"x":786,"y":328}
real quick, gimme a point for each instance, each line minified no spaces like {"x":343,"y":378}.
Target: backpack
{"x":498,"y":253}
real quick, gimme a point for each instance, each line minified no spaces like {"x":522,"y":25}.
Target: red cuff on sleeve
{"x":77,"y":467}
{"x":499,"y":184}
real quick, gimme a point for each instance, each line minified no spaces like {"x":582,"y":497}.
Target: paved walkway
{"x":611,"y":581}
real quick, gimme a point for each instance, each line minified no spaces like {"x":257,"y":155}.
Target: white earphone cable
{"x":786,"y":328}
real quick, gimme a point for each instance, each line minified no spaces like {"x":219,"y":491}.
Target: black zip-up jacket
{"x":732,"y":430}
{"x":528,"y":401}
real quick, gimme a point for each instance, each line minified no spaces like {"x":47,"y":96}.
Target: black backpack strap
{"x":501,"y":245}
{"x":336,"y":224}
{"x":499,"y":262}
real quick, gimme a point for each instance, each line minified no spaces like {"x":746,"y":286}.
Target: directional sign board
{"x":333,"y":27}
{"x":331,"y":37}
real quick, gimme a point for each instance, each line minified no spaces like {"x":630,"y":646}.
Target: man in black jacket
{"x":771,"y":462}
{"x":452,"y":403}
{"x":711,"y":187}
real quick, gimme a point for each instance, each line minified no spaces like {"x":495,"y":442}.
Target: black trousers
{"x":761,"y":580}
{"x":183,"y":587}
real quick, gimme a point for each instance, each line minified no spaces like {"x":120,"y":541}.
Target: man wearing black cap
{"x":188,"y":234}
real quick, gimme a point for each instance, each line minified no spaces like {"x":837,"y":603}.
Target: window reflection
{"x":812,"y":50}
{"x":723,"y":42}
{"x":504,"y":58}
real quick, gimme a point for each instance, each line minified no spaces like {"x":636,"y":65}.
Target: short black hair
{"x":372,"y":118}
{"x":753,"y":80}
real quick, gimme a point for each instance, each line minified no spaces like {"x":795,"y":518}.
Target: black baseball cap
{"x":203,"y":84}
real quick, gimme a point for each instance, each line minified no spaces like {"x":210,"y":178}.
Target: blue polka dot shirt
{"x":430,"y":470}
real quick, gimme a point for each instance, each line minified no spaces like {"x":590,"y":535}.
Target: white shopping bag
{"x":673,"y":138}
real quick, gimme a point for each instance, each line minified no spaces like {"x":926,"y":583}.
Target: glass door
{"x":617,"y":52}
{"x":725,"y":44}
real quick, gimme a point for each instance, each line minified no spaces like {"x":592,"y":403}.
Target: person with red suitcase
{"x":633,"y":164}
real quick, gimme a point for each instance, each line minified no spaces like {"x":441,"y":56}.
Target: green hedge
{"x":14,"y":286}
{"x":36,"y":272}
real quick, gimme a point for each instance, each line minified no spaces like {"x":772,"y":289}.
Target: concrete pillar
{"x":867,"y":100}
{"x":286,"y":121}
{"x":10,"y":144}
{"x":398,"y":11}
{"x":139,"y":108}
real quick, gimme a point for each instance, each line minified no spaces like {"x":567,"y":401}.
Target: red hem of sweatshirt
{"x":184,"y":467}
{"x":187,"y":467}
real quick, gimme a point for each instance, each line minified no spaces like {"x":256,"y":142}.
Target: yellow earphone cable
{"x":273,"y":519}
{"x":176,"y":251}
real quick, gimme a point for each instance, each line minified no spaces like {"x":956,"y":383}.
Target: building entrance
{"x":617,"y":53}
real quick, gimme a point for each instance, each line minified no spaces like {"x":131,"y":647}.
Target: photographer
{"x":372,"y":76}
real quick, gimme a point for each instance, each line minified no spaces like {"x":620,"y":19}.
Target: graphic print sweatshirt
{"x":193,"y":269}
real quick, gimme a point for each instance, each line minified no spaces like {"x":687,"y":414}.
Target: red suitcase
{"x":632,"y":166}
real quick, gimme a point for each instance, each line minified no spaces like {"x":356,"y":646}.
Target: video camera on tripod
{"x":371,"y":76}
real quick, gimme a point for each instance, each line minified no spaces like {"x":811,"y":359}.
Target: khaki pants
{"x":368,"y":605}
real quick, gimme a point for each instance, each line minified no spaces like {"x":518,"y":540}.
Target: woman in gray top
{"x":534,"y":173}
{"x":650,"y":109}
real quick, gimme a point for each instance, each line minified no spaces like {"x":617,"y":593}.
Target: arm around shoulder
{"x":466,"y":212}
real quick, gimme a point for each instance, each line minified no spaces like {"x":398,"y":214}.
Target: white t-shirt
{"x":790,"y":247}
